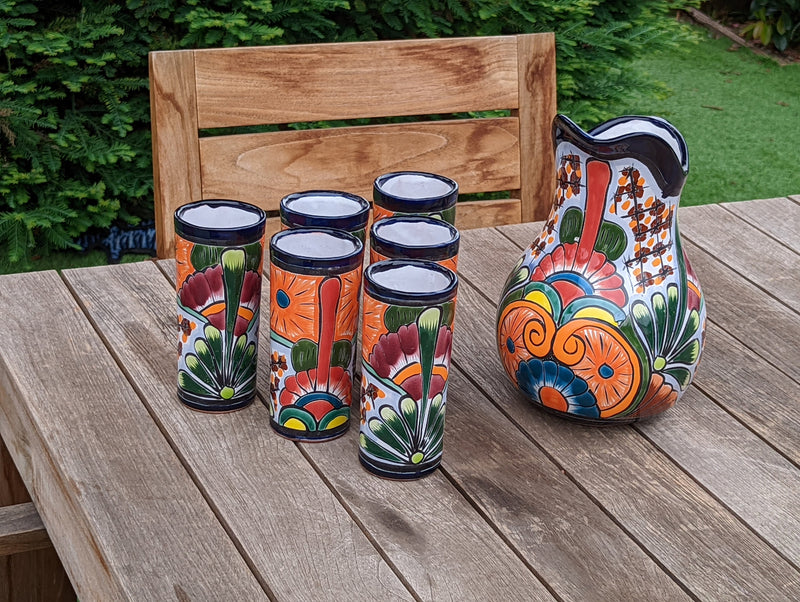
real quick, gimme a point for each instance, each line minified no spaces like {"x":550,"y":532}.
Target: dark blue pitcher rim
{"x":669,"y":170}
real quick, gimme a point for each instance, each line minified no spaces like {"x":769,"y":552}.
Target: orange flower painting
{"x":294,"y":308}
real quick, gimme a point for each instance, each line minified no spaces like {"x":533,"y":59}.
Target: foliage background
{"x":75,"y":152}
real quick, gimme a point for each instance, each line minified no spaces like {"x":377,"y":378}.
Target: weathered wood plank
{"x":680,"y":524}
{"x":779,"y":218}
{"x":537,"y":108}
{"x":735,"y":465}
{"x":29,"y":576}
{"x":284,"y":84}
{"x":744,"y":249}
{"x":440,"y":544}
{"x":95,"y":463}
{"x":476,"y":214}
{"x":482,"y":155}
{"x":554,"y":525}
{"x":21,"y":529}
{"x":482,"y":255}
{"x":443,"y":548}
{"x":176,"y":155}
{"x":757,"y":393}
{"x":286,"y":521}
{"x":757,"y":320}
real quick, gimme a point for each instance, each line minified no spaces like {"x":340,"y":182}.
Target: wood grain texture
{"x":745,"y":249}
{"x":537,"y":108}
{"x":480,"y":154}
{"x":21,"y":529}
{"x":761,"y":323}
{"x":93,"y":496}
{"x":733,"y":370}
{"x":683,"y":527}
{"x":735,"y":465}
{"x":778,"y":218}
{"x":476,"y":214}
{"x":554,"y":525}
{"x":28,"y":576}
{"x":176,"y":155}
{"x":286,"y":521}
{"x":427,"y":530}
{"x":214,"y":88}
{"x":440,"y":544}
{"x":757,"y":393}
{"x":314,"y":82}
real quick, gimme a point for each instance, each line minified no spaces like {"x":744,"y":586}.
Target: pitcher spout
{"x":652,"y":140}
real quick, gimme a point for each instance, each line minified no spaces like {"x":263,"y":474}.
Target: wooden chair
{"x":196,"y":90}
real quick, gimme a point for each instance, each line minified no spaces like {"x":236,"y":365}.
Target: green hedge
{"x":75,"y":151}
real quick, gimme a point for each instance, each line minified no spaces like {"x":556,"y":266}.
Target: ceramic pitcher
{"x":602,"y":319}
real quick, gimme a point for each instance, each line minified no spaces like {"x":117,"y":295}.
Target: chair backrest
{"x":194,"y":91}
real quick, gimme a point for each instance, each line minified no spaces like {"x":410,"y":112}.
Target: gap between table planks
{"x":258,"y":484}
{"x":729,"y":457}
{"x":67,"y":441}
{"x":551,"y":538}
{"x":673,"y":503}
{"x":458,"y":556}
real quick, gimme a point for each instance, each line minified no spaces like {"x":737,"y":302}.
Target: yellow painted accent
{"x":339,"y":420}
{"x":540,"y":299}
{"x":597,"y":313}
{"x":295,"y":424}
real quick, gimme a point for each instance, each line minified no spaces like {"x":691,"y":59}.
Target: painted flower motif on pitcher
{"x":602,"y":319}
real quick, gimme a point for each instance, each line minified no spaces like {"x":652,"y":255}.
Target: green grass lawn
{"x":740,"y":115}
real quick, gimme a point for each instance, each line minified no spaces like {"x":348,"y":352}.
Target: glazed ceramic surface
{"x":219,"y":248}
{"x":315,"y":280}
{"x":602,"y":319}
{"x":414,"y":193}
{"x":414,"y":237}
{"x":326,"y":209}
{"x":406,"y":343}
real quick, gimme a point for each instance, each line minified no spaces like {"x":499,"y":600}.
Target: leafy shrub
{"x":776,"y":22}
{"x":75,"y":150}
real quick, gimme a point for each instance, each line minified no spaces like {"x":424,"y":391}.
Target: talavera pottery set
{"x":601,"y":320}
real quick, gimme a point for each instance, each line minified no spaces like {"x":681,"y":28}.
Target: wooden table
{"x":147,"y":500}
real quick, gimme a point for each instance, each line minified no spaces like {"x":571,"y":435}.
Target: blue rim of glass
{"x":306,"y":264}
{"x":393,"y":249}
{"x":393,"y":296}
{"x":350,"y":222}
{"x":240,"y":235}
{"x":402,"y":204}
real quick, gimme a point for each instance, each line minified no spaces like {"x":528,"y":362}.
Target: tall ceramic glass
{"x":414,"y":237}
{"x":414,"y":193}
{"x":326,"y":209}
{"x":315,"y":279}
{"x":218,"y":249}
{"x":406,"y":341}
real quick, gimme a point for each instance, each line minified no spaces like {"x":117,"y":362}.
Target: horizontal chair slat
{"x":21,"y":529}
{"x":249,"y":86}
{"x":476,"y":214}
{"x":482,"y":155}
